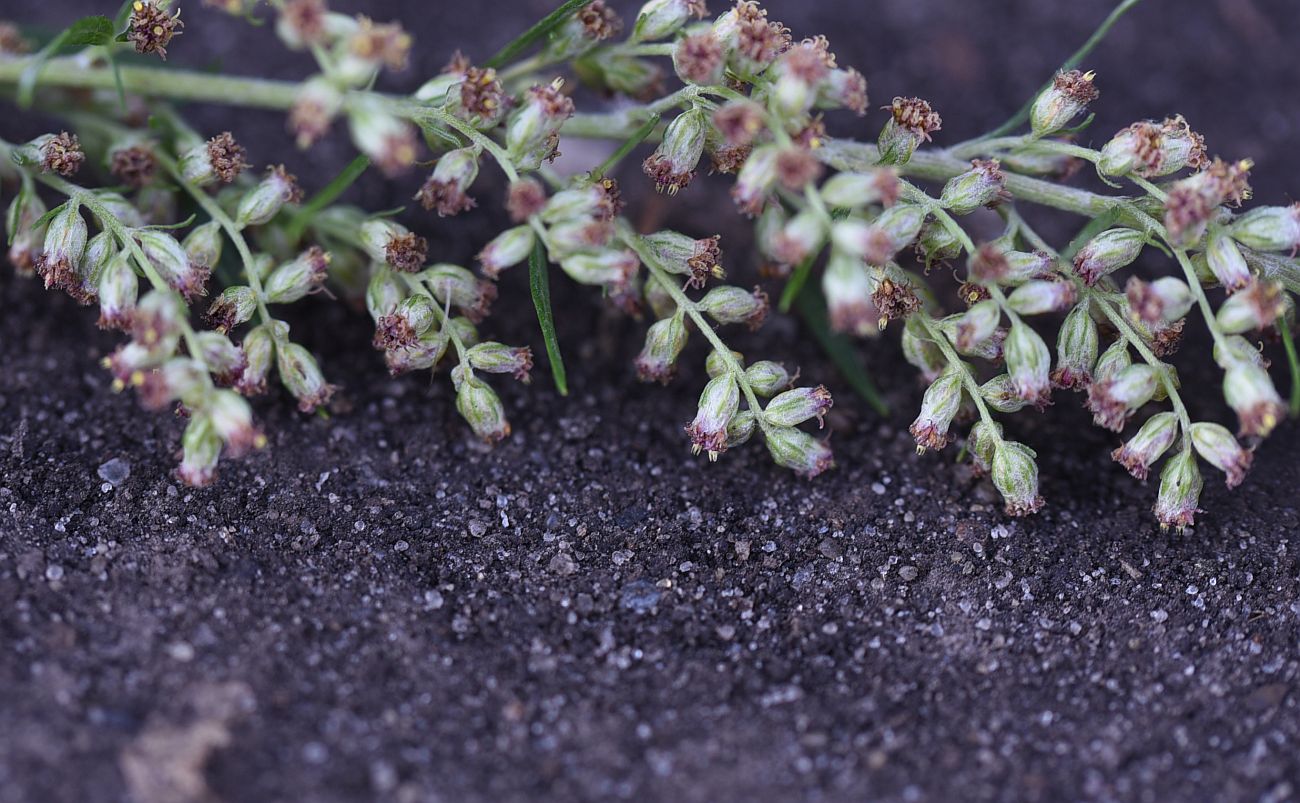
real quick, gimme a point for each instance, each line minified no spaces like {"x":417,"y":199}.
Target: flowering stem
{"x":473,"y":135}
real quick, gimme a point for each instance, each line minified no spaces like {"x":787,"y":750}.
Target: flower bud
{"x":403,"y":327}
{"x":660,"y":19}
{"x":583,"y":30}
{"x":982,"y":443}
{"x":939,"y":406}
{"x":1038,"y":297}
{"x":1193,"y":201}
{"x":1068,"y":96}
{"x":664,"y":342}
{"x":799,"y":239}
{"x":766,"y":378}
{"x":597,"y":200}
{"x":856,"y":190}
{"x":296,"y":279}
{"x":173,"y":264}
{"x":25,"y":237}
{"x":533,"y":131}
{"x":265,"y":201}
{"x":1108,"y":252}
{"x":729,"y":304}
{"x":576,"y":236}
{"x":793,"y":407}
{"x":259,"y":351}
{"x":317,"y":104}
{"x":390,"y":242}
{"x":387,"y":139}
{"x":716,"y":364}
{"x":911,"y":123}
{"x":1028,"y":363}
{"x":719,"y":404}
{"x":844,"y":89}
{"x":1250,"y":393}
{"x":419,"y":356}
{"x":1114,"y":398}
{"x":203,"y":245}
{"x":700,"y":59}
{"x":755,"y":181}
{"x":118,"y":289}
{"x":1180,"y":491}
{"x":454,"y":285}
{"x":506,"y":250}
{"x":445,"y":189}
{"x":1217,"y":446}
{"x":1226,"y":262}
{"x":672,"y":165}
{"x":232,"y":420}
{"x":1160,"y":303}
{"x":156,"y":323}
{"x":848,"y":288}
{"x":302,"y":376}
{"x":201,"y":451}
{"x":698,"y":260}
{"x":982,"y":185}
{"x":224,"y":360}
{"x":1076,"y":349}
{"x":798,"y":451}
{"x":56,"y":153}
{"x":741,"y":428}
{"x":62,"y":261}
{"x":1000,"y":394}
{"x":1015,"y":475}
{"x":1154,"y":438}
{"x":1152,"y":150}
{"x":1271,"y":228}
{"x":1256,"y":306}
{"x":480,"y":406}
{"x":975,"y":326}
{"x":798,"y":73}
{"x":921,"y":352}
{"x":608,"y":267}
{"x":498,"y":358}
{"x":1114,"y":359}
{"x":879,"y":241}
{"x":937,"y":244}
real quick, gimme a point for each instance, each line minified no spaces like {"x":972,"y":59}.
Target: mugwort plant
{"x":855,"y":230}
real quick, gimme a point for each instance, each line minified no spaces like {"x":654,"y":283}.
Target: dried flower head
{"x":303,"y":22}
{"x":226,"y":156}
{"x":151,"y":28}
{"x":385,"y":43}
{"x":134,"y":165}
{"x":61,"y":154}
{"x":407,"y":252}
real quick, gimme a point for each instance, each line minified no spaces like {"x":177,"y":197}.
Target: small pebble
{"x":115,"y":471}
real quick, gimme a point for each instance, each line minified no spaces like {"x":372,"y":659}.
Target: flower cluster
{"x":1032,"y":324}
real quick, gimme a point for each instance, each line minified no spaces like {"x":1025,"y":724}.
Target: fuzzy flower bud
{"x":318,"y":102}
{"x":1256,"y":306}
{"x":63,"y":254}
{"x":1216,"y":445}
{"x":498,"y":358}
{"x":1160,"y":303}
{"x":719,"y":404}
{"x":741,"y":428}
{"x":1029,"y":364}
{"x":1192,"y":202}
{"x":857,"y":190}
{"x":976,"y":325}
{"x":480,"y":406}
{"x":388,"y":140}
{"x":1015,"y":475}
{"x":220,"y":159}
{"x":1114,"y":398}
{"x":394,"y":244}
{"x":982,"y":443}
{"x":798,"y":451}
{"x":938,"y":244}
{"x":729,"y":304}
{"x":664,"y":342}
{"x":877,"y":242}
{"x":454,"y":285}
{"x":607,"y":267}
{"x":767,"y":378}
{"x":982,"y":185}
{"x":1271,"y":228}
{"x":201,"y":451}
{"x":1152,"y":150}
{"x":445,"y":189}
{"x":1180,"y":491}
{"x":224,"y":359}
{"x":799,"y":239}
{"x":118,"y":290}
{"x":170,"y":259}
{"x":25,"y":237}
{"x":672,"y":165}
{"x":1068,"y":96}
{"x":1152,"y":440}
{"x":1000,"y":394}
{"x":506,"y":250}
{"x":265,"y":201}
{"x":408,"y":321}
{"x":848,"y":288}
{"x":1076,"y":349}
{"x":660,"y":19}
{"x":939,"y":406}
{"x":1226,"y":262}
{"x":56,"y":153}
{"x":698,"y":260}
{"x":302,"y":376}
{"x":755,"y":181}
{"x":793,"y":407}
{"x":1106,"y":253}
{"x":700,"y":59}
{"x":911,"y":123}
{"x":1039,"y":297}
{"x":593,"y":23}
{"x":298,"y":278}
{"x":1250,"y":393}
{"x":234,"y":306}
{"x":533,"y":130}
{"x":844,"y":89}
{"x":259,"y":353}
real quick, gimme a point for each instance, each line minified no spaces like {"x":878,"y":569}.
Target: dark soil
{"x":376,"y":608}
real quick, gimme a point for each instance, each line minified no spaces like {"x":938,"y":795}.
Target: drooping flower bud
{"x":1000,"y":394}
{"x":318,"y":102}
{"x":607,"y":267}
{"x":118,"y":289}
{"x":234,"y":306}
{"x":590,"y":25}
{"x":937,"y":244}
{"x":1180,"y":491}
{"x":1015,"y":475}
{"x":1068,"y":96}
{"x":798,"y":451}
{"x":265,"y":201}
{"x":259,"y":353}
{"x":848,"y":287}
{"x":878,"y":241}
{"x":368,"y":46}
{"x":532,"y":134}
{"x":982,"y":443}
{"x":728,"y":304}
{"x":1226,"y":262}
{"x":1106,"y":253}
{"x":1193,"y":201}
{"x":983,"y":185}
{"x":1217,"y":446}
{"x":660,"y":19}
{"x":132,"y":162}
{"x":976,"y":325}
{"x":793,"y":407}
{"x":1041,"y":296}
{"x":1076,"y":349}
{"x":939,"y":406}
{"x":56,"y":153}
{"x":844,"y":89}
{"x":799,"y":239}
{"x":454,"y":285}
{"x":224,"y":359}
{"x":798,"y":73}
{"x":498,"y":358}
{"x":25,"y":237}
{"x":301,"y":23}
{"x":1270,"y":228}
{"x":220,"y":159}
{"x":390,"y":242}
{"x":911,"y":123}
{"x":302,"y":376}
{"x":1256,"y":306}
{"x":201,"y":451}
{"x":741,"y":428}
{"x":698,"y":260}
{"x":739,"y":122}
{"x":388,"y":140}
{"x":1250,"y":393}
{"x":922,"y":352}
{"x":480,"y":406}
{"x":409,"y":320}
{"x":719,"y":404}
{"x":1160,"y":303}
{"x":1152,"y":150}
{"x":1029,"y":363}
{"x":857,"y":190}
{"x":1114,"y":398}
{"x":506,"y":250}
{"x":445,"y":189}
{"x":1152,"y":440}
{"x":756,"y":179}
{"x":296,"y":279}
{"x":672,"y":165}
{"x":172,"y":263}
{"x":767,"y":378}
{"x":664,"y":342}
{"x":62,"y":258}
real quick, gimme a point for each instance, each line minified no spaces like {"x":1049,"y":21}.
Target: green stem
{"x":473,"y":135}
{"x":955,"y":363}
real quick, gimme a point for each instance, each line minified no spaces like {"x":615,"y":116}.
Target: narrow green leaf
{"x":548,"y":23}
{"x":164,"y":226}
{"x":1020,"y":117}
{"x":812,"y":306}
{"x":16,"y":208}
{"x":327,"y":196}
{"x":1293,"y":362}
{"x":539,"y":283}
{"x":796,"y":282}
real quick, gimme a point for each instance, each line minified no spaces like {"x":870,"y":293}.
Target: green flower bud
{"x":719,"y":404}
{"x":848,"y":288}
{"x":767,"y":378}
{"x":937,"y":244}
{"x":729,"y":304}
{"x":1256,"y":306}
{"x":390,"y":141}
{"x":533,"y":129}
{"x":498,"y":358}
{"x":421,"y":355}
{"x":911,"y":123}
{"x":921,"y":352}
{"x":858,"y":190}
{"x":1158,"y":304}
{"x":25,"y":237}
{"x":1180,"y":491}
{"x":314,"y":108}
{"x":755,"y":181}
{"x":660,"y":19}
{"x":232,"y":421}
{"x":259,"y":352}
{"x":890,"y":233}
{"x":170,"y":259}
{"x":508,"y":249}
{"x":716,"y":364}
{"x":302,"y":376}
{"x":1226,"y":262}
{"x":1113,"y":360}
{"x":1000,"y":393}
{"x":201,"y":449}
{"x":1038,"y":297}
{"x":672,"y":165}
{"x":663,"y":345}
{"x":446,"y":188}
{"x":1233,"y":349}
{"x":608,"y":267}
{"x":939,"y":406}
{"x":698,"y":260}
{"x":1154,"y":438}
{"x":1250,"y":393}
{"x":383,"y":293}
{"x":203,"y":245}
{"x":982,"y":185}
{"x":118,"y":290}
{"x":700,"y":59}
{"x":1108,"y":252}
{"x":1015,"y":475}
{"x":220,"y":159}
{"x":480,"y":406}
{"x":296,"y":279}
{"x":798,"y":451}
{"x":741,"y":428}
{"x":1029,"y":363}
{"x":982,"y":443}
{"x":1152,"y":150}
{"x":793,"y":407}
{"x":265,"y":201}
{"x":1114,"y":398}
{"x":800,"y":239}
{"x":224,"y":360}
{"x":1216,"y":445}
{"x":975,"y":326}
{"x":1076,"y":349}
{"x":1272,"y":228}
{"x":1068,"y":96}
{"x":65,"y":240}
